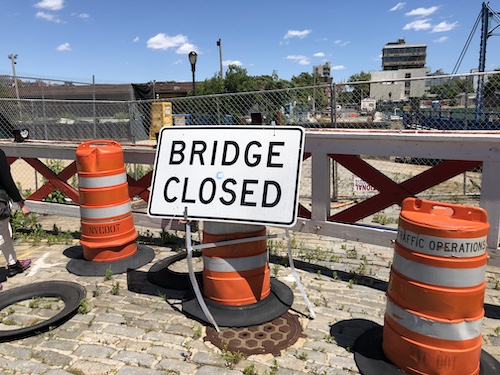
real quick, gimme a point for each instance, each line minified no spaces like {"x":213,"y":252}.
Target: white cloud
{"x":441,"y":40}
{"x":337,"y":67}
{"x":136,"y":39}
{"x":50,"y":4}
{"x":418,"y":25}
{"x":300,"y":59}
{"x":444,"y":26}
{"x":398,"y":6}
{"x":164,"y":42}
{"x":185,"y":48}
{"x":232,"y":62}
{"x":341,"y":43}
{"x":422,"y":12}
{"x":319,"y":54}
{"x":83,"y":16}
{"x":63,"y":47}
{"x":48,"y":17}
{"x":297,"y":34}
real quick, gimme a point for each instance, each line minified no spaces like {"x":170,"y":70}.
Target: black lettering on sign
{"x":256,"y":157}
{"x":225,"y":153}
{"x":445,"y":362}
{"x":99,"y":230}
{"x":165,"y":190}
{"x":177,"y":152}
{"x":199,"y":148}
{"x":273,"y":153}
{"x":228,"y":190}
{"x":185,"y":199}
{"x":245,"y":191}
{"x":418,"y":355}
{"x":211,"y":190}
{"x":277,"y":193}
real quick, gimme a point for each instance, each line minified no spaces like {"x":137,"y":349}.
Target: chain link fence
{"x":79,"y":111}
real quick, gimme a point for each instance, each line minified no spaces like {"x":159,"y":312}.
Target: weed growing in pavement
{"x":352,"y":253}
{"x":497,"y":330}
{"x":274,"y":368}
{"x":34,"y":303}
{"x":97,"y":291}
{"x":232,"y":358}
{"x":167,"y":238}
{"x":76,"y":371}
{"x":197,"y":332}
{"x":497,"y":285}
{"x":276,"y":270}
{"x":9,"y":322}
{"x":250,"y":370}
{"x":26,"y":228}
{"x":115,"y":289}
{"x":108,"y":275}
{"x":84,"y":307}
{"x":302,"y":356}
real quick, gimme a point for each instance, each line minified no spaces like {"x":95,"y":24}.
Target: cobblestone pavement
{"x":124,"y":332}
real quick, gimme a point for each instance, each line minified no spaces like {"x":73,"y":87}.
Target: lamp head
{"x":193,"y":56}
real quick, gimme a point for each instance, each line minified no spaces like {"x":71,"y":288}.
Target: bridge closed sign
{"x":240,"y":174}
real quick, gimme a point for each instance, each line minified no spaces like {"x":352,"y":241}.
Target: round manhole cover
{"x":270,"y":337}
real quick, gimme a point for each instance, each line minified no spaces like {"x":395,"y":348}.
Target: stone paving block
{"x":135,"y":358}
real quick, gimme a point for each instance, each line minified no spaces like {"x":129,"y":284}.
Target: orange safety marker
{"x":235,"y":275}
{"x":434,"y":312}
{"x":108,"y":231}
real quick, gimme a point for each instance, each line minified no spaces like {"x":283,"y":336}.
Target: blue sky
{"x":142,"y":40}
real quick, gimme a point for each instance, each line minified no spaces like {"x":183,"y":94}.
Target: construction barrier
{"x":238,"y":274}
{"x":435,"y":296}
{"x":108,"y":231}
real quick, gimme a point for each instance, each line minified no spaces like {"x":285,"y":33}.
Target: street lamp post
{"x":193,"y":56}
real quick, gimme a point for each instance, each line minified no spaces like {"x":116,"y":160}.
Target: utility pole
{"x":13,"y":58}
{"x":219,"y":44}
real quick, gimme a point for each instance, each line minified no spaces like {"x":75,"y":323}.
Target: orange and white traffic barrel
{"x":235,"y":274}
{"x":108,"y":231}
{"x":435,"y":296}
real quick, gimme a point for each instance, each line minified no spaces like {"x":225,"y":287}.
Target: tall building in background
{"x":401,"y":64}
{"x":399,"y":55}
{"x":322,"y":72}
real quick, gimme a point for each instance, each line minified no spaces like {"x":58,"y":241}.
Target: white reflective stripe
{"x":235,"y":264}
{"x":441,"y":246}
{"x":105,"y":212}
{"x":213,"y":227}
{"x":104,"y":181}
{"x":439,"y":276}
{"x":464,"y":330}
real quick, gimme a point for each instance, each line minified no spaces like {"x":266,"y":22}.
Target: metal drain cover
{"x":270,"y":337}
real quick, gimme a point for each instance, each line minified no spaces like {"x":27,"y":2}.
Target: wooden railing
{"x":459,"y":152}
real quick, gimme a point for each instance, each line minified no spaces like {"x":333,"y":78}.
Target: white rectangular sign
{"x":242,"y":174}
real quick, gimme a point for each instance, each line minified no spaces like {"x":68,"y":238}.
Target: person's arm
{"x":7,"y":183}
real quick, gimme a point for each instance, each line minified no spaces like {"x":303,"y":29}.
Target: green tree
{"x":303,"y":79}
{"x":492,"y":92}
{"x":238,"y":80}
{"x":451,"y":88}
{"x":358,"y":90}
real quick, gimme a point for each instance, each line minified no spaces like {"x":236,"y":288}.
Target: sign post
{"x":238,"y":179}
